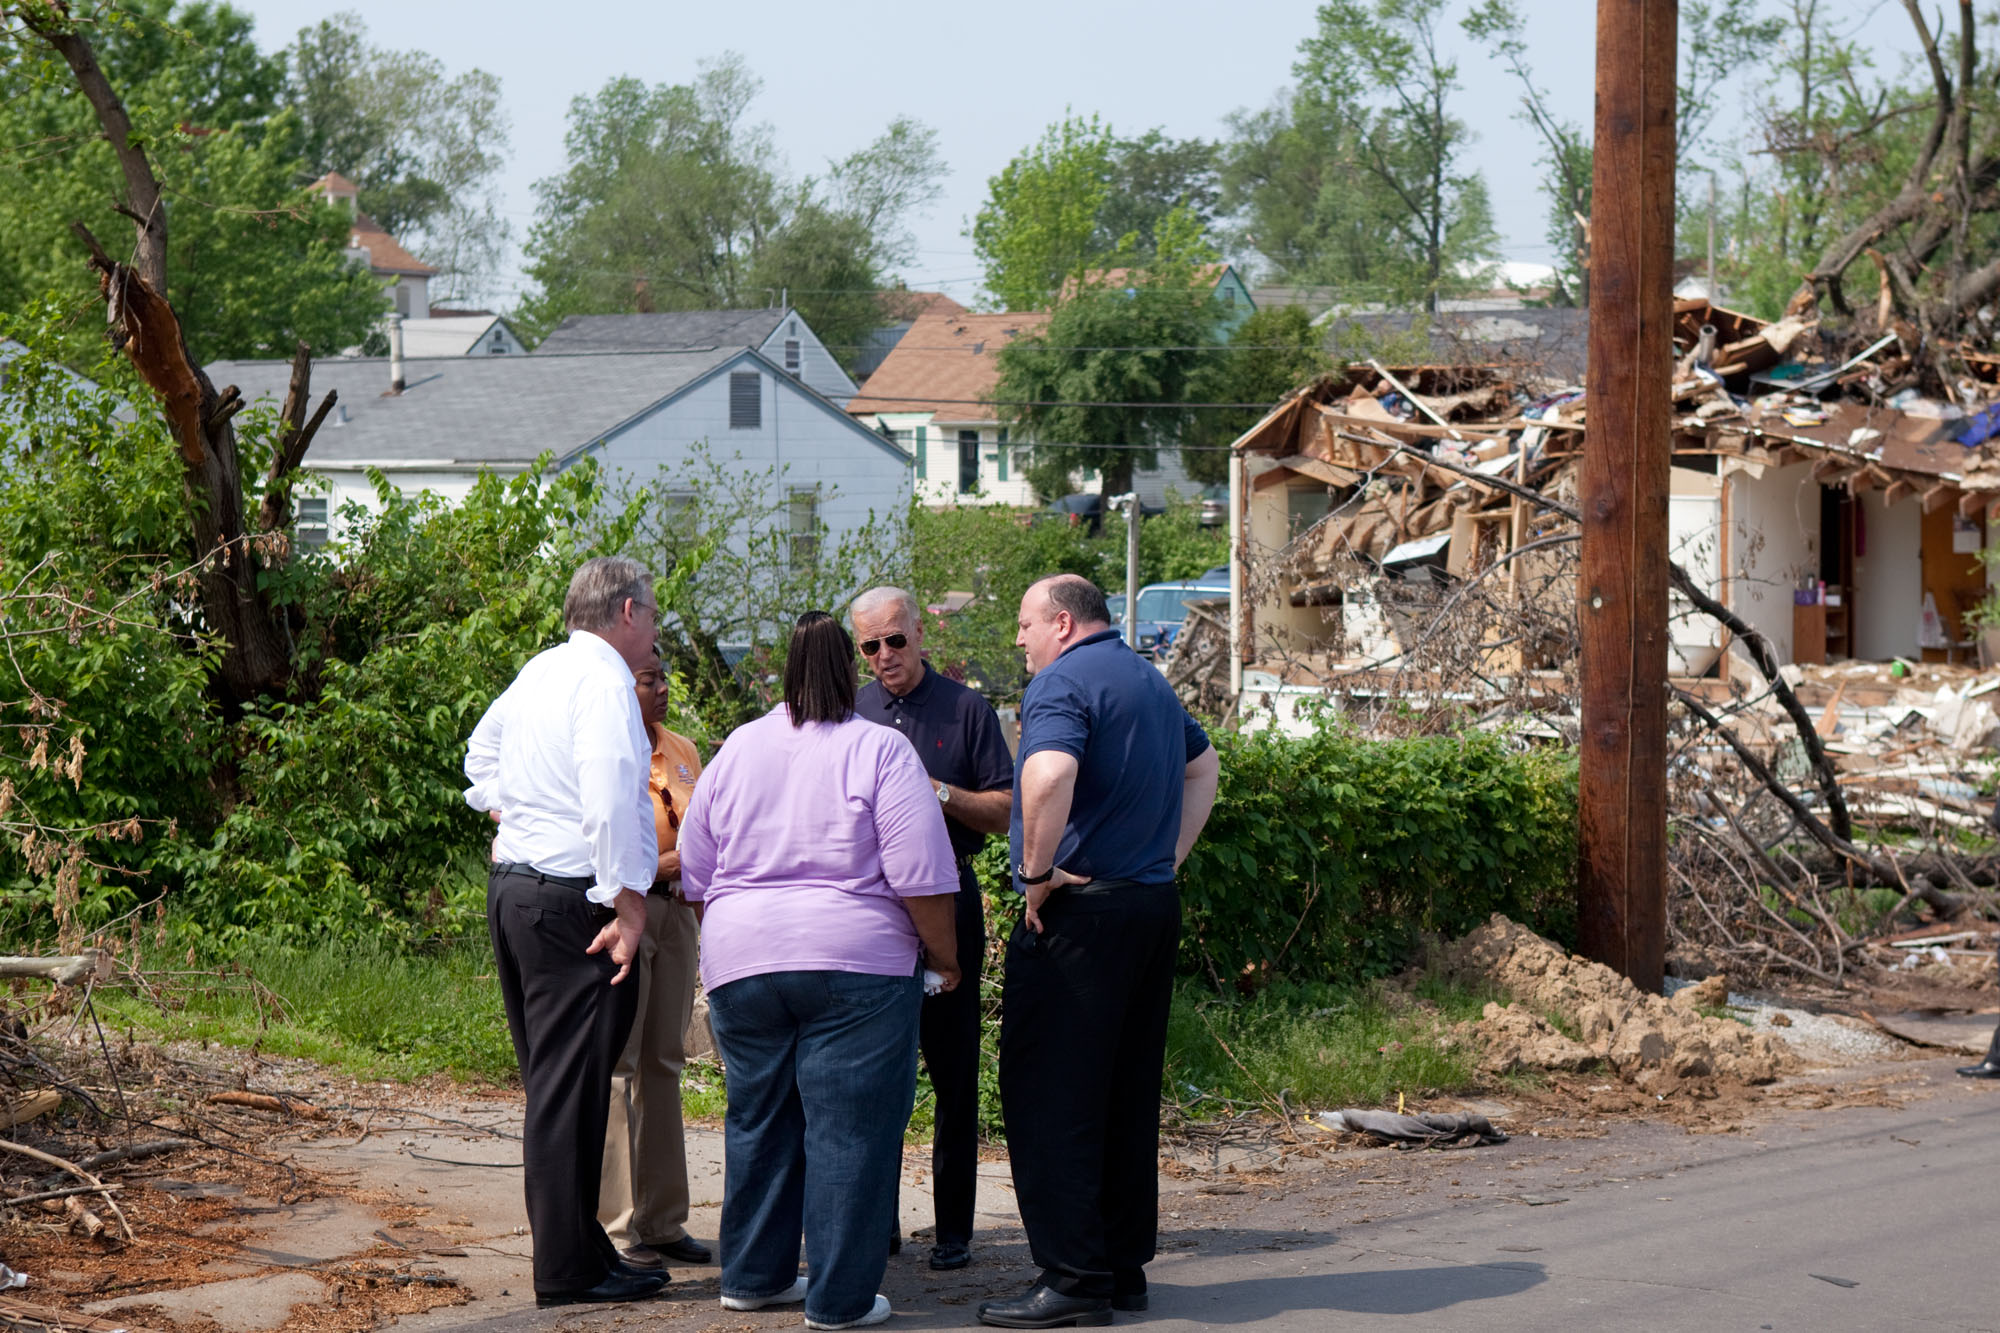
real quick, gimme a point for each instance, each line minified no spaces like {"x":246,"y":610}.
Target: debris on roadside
{"x":1432,"y":1129}
{"x":1653,"y":1042}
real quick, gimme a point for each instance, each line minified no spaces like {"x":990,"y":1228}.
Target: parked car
{"x":1215,"y":505}
{"x":1163,"y":606}
{"x":1116,"y":601}
{"x":1086,"y":509}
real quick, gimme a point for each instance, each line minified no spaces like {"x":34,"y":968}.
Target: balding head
{"x":1055,"y":613}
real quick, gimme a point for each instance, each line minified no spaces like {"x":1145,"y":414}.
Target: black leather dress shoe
{"x":1045,"y":1307}
{"x":947,"y":1255}
{"x":686,"y":1250}
{"x":624,"y":1284}
{"x":1984,"y":1069}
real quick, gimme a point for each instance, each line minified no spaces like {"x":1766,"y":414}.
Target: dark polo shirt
{"x":1114,"y":713}
{"x":957,"y":735}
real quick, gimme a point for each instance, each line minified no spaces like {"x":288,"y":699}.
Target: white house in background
{"x":779,"y":333}
{"x":933,"y":395}
{"x":460,"y":335}
{"x":407,"y":277}
{"x":635,"y":412}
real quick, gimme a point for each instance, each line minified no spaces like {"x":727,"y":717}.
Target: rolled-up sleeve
{"x":607,"y":746}
{"x":482,"y":758}
{"x":909,"y":826}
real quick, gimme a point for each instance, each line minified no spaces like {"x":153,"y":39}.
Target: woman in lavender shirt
{"x":816,"y":853}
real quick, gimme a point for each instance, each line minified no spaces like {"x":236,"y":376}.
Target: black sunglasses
{"x":869,"y":647}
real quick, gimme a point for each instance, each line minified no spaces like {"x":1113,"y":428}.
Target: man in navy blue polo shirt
{"x":957,"y":735}
{"x":1113,"y":784}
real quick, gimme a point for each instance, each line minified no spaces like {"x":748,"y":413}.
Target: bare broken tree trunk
{"x":256,"y":658}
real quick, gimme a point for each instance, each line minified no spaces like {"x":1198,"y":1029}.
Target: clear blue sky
{"x":987,"y":77}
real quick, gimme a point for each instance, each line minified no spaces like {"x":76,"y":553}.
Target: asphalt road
{"x":1648,"y":1227}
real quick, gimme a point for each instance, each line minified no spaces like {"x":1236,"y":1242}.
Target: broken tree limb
{"x":133,"y":1152}
{"x":1761,"y":652}
{"x":63,"y":969}
{"x":263,"y":1101}
{"x":50,"y":1159}
{"x":1884,"y":869}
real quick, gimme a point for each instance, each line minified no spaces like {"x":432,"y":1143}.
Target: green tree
{"x":425,"y":148}
{"x":1377,"y":66}
{"x":1101,"y":386}
{"x":1270,"y":354}
{"x":674,"y":199}
{"x":257,"y":263}
{"x":1148,"y":177}
{"x":1038,"y":229}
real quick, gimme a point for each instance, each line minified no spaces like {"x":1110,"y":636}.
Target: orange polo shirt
{"x":676,"y":764}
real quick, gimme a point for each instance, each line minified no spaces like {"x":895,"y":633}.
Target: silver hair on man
{"x":876,"y":599}
{"x":600,"y":589}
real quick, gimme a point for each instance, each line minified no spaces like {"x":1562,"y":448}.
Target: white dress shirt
{"x":563,"y":756}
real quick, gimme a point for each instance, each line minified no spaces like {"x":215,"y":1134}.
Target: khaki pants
{"x":643,"y":1193}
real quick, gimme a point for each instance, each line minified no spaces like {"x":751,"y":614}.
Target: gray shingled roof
{"x":480,"y":409}
{"x":677,"y":330}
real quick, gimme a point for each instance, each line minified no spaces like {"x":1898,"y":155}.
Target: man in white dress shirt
{"x":563,"y":757}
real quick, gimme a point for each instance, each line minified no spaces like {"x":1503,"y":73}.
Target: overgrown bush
{"x":1329,"y":856}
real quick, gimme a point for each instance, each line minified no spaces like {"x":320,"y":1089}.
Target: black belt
{"x":526,"y":871}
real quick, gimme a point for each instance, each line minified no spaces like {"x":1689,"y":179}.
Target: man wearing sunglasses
{"x":957,"y":735}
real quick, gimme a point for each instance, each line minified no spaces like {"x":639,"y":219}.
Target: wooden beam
{"x":1938,"y":496}
{"x":1622,"y":580}
{"x":1831,"y":471}
{"x":1900,"y":489}
{"x":1971,"y":504}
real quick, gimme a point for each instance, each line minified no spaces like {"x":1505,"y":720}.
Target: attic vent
{"x":746,"y":400}
{"x":792,"y":357}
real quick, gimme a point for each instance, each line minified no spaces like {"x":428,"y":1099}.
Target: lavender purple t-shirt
{"x":803,"y":841}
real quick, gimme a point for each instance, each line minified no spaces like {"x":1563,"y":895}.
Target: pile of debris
{"x":1661,"y":1045}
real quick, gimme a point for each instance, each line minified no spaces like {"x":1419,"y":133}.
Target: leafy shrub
{"x":1329,"y":855}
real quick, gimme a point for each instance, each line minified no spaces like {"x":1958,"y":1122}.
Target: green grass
{"x":1323,"y":1047}
{"x":367,"y":1009}
{"x":376,"y":1012}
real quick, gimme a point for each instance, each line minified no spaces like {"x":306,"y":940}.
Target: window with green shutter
{"x":922,"y":446}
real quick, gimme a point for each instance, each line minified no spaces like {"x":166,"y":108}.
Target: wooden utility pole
{"x":1622,"y":587}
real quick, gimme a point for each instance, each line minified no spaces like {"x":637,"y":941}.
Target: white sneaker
{"x":791,"y":1295}
{"x":874,"y":1316}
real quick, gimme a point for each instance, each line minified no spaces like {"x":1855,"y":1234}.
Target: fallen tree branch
{"x":50,"y":1159}
{"x":63,"y":969}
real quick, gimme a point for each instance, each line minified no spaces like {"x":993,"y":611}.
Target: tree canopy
{"x":674,"y":199}
{"x":256,"y":262}
{"x":425,"y":147}
{"x":1357,"y":179}
{"x":1100,"y":387}
{"x":1081,"y":198}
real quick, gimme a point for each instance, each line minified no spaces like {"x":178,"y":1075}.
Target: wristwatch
{"x":1021,"y":873}
{"x":943,"y":794}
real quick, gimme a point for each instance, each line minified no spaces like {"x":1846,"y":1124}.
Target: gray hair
{"x":886,"y":594}
{"x":1077,"y":595}
{"x":600,"y":589}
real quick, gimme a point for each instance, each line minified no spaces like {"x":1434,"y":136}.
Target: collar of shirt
{"x":918,"y":694}
{"x":1100,"y":637}
{"x":599,"y":646}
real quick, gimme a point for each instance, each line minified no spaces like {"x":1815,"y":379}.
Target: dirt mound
{"x":1656,"y":1043}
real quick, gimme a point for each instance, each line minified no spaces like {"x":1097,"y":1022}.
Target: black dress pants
{"x":948,"y":1036}
{"x":569,"y":1025}
{"x":1083,"y":1038}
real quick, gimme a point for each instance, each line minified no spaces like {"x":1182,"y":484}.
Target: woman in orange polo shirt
{"x":643,"y":1194}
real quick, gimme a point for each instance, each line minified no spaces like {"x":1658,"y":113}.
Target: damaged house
{"x":1842,"y":524}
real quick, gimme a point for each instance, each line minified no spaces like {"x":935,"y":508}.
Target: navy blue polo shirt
{"x":956,"y":734}
{"x":1114,"y":712}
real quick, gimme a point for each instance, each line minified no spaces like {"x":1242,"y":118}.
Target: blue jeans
{"x":822,"y":1074}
